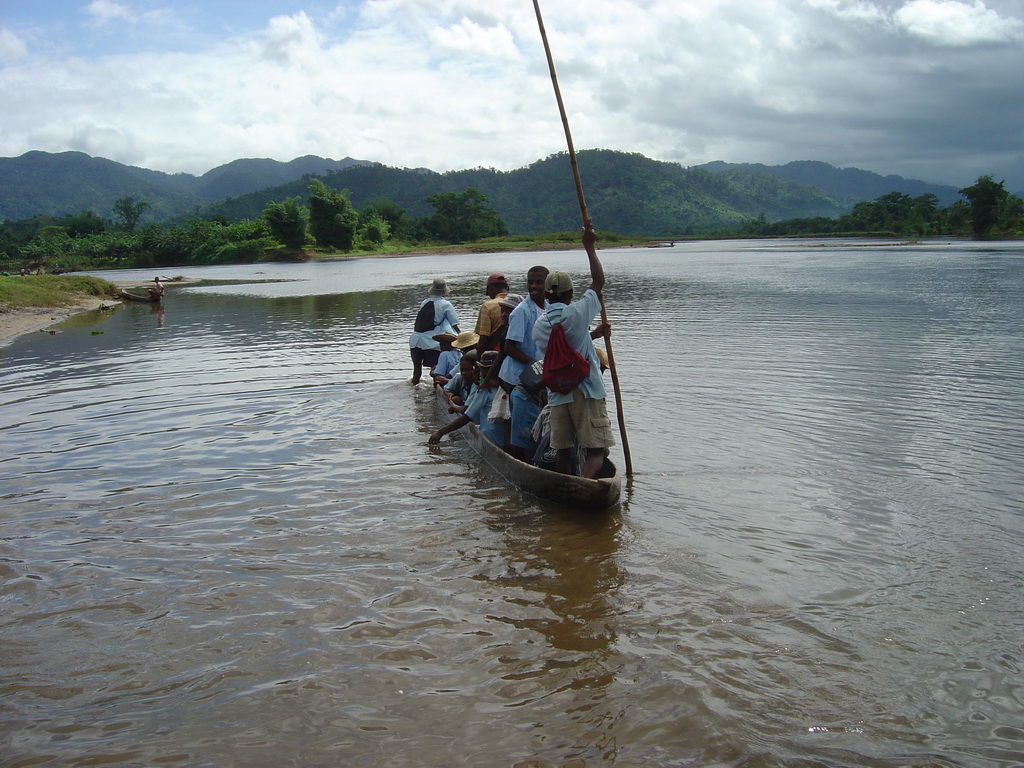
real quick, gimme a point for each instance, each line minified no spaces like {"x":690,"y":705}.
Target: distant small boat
{"x":571,"y":490}
{"x":135,"y":297}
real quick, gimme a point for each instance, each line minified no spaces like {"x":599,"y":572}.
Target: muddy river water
{"x":224,"y":540}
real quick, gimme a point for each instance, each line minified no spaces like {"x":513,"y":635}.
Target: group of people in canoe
{"x":492,"y":375}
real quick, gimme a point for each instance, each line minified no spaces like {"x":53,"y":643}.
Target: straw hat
{"x":465,"y":339}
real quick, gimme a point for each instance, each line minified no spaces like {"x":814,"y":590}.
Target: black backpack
{"x":425,"y":317}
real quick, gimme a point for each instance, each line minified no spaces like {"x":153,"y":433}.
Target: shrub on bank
{"x":51,"y":290}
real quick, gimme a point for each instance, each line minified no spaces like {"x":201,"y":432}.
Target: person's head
{"x":487,"y":359}
{"x":558,"y":287}
{"x":496,"y":283}
{"x":466,"y":340}
{"x":535,"y":283}
{"x":507,"y":304}
{"x":467,"y":367}
{"x":439,"y":287}
{"x":445,"y":340}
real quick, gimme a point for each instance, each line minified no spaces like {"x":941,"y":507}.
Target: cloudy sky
{"x":928,"y":89}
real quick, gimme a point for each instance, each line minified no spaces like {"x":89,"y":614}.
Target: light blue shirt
{"x":520,"y":330}
{"x":444,"y":321}
{"x":477,"y":408}
{"x":575,"y":319}
{"x":447,"y":363}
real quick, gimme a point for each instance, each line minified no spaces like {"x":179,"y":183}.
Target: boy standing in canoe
{"x":580,"y":415}
{"x":488,"y":320}
{"x":521,"y":352}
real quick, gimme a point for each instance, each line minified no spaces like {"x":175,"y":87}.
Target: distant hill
{"x":847,"y":186}
{"x":242,"y":176}
{"x":70,"y":182}
{"x":625,"y":192}
{"x":44,"y":183}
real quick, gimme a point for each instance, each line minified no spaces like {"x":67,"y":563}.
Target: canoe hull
{"x":568,"y":490}
{"x":135,"y":297}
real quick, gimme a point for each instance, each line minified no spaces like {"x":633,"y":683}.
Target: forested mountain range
{"x":847,"y":186}
{"x":57,"y":184}
{"x":625,"y":192}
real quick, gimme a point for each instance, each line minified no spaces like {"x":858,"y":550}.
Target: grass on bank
{"x":51,"y":290}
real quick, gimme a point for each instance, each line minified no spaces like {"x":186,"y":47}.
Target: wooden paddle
{"x":586,"y":223}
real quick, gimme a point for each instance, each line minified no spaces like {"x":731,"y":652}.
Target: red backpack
{"x":564,"y":367}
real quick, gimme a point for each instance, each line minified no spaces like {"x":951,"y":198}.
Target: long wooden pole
{"x":586,"y":223}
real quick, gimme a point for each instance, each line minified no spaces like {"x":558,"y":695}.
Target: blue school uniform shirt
{"x":447,"y":363}
{"x":444,"y":321}
{"x":520,"y":330}
{"x":477,"y":408}
{"x":575,"y":319}
{"x":456,"y":386}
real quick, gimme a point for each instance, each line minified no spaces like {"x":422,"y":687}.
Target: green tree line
{"x":987,"y":210}
{"x":326,"y":220}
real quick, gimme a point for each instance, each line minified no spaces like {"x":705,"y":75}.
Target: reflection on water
{"x":225,"y":541}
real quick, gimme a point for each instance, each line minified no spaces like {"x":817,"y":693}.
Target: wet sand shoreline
{"x":15,"y":323}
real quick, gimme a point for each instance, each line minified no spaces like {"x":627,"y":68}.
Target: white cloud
{"x":109,"y":10}
{"x":452,"y":84}
{"x":12,"y":47}
{"x":291,"y":39}
{"x":852,"y":11}
{"x":949,"y":22}
{"x":470,"y":39}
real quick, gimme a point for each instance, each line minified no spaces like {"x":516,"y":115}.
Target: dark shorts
{"x":427,"y":357}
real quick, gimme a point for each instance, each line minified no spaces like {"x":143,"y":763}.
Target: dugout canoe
{"x":135,"y":297}
{"x":572,"y":491}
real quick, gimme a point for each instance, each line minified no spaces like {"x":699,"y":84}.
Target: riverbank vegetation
{"x":988,"y":210}
{"x":51,"y":290}
{"x":326,"y":225}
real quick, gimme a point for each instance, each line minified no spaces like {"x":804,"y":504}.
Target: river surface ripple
{"x":225,"y":541}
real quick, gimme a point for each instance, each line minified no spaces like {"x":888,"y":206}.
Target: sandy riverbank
{"x":18,"y":322}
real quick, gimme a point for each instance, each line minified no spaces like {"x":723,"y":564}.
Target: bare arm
{"x":596,"y":270}
{"x":451,"y":426}
{"x":482,"y":345}
{"x":512,"y":350}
